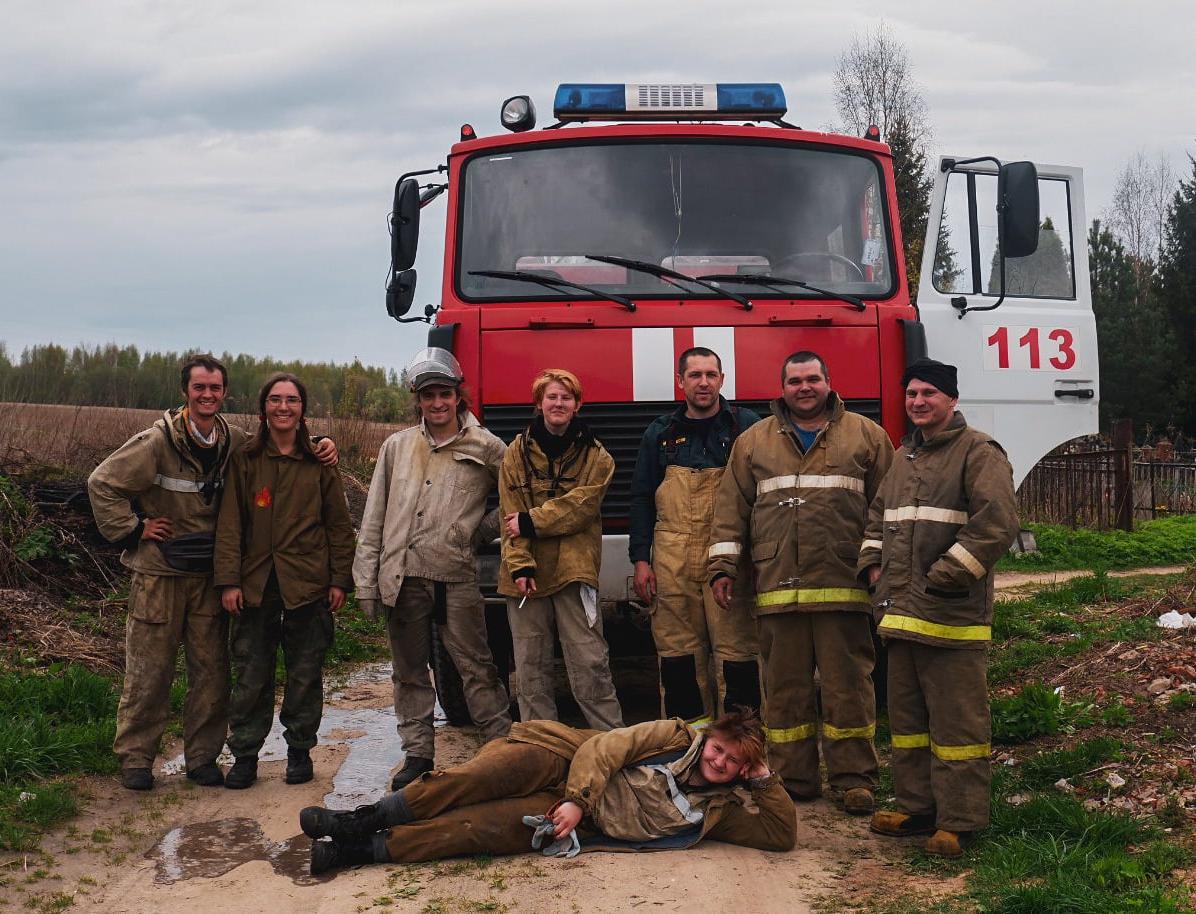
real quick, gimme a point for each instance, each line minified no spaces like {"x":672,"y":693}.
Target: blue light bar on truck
{"x":669,"y":101}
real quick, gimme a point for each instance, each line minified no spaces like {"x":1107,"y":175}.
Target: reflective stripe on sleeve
{"x":969,"y":561}
{"x":871,"y":544}
{"x":173,"y":484}
{"x":960,"y":753}
{"x":911,"y":740}
{"x":812,"y":595}
{"x":831,"y":732}
{"x":926,"y":512}
{"x":789,"y":734}
{"x":809,"y":481}
{"x":700,"y":723}
{"x":895,"y":623}
{"x":718,"y":549}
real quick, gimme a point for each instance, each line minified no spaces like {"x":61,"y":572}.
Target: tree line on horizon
{"x":124,"y":376}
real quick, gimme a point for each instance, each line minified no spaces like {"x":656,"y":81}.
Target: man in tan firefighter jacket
{"x":681,"y":460}
{"x":158,"y":496}
{"x":944,"y":516}
{"x":796,"y":494}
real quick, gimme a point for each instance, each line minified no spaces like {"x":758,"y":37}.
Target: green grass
{"x":1036,"y":710}
{"x":358,"y":639}
{"x":1165,"y":541}
{"x":1049,"y":625}
{"x":1046,"y":768}
{"x":56,"y":722}
{"x":1050,"y":855}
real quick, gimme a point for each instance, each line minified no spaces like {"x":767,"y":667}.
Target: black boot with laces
{"x":334,"y":855}
{"x":360,"y":823}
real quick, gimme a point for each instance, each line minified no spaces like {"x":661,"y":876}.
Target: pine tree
{"x":913,"y":184}
{"x":1177,"y":290}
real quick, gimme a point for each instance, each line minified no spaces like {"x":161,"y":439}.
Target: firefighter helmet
{"x":433,"y":366}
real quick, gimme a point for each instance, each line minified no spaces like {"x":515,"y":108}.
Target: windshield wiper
{"x":774,"y":282}
{"x":672,"y":277}
{"x":553,"y":282}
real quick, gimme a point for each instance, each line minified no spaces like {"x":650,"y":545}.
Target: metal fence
{"x":1161,"y":489}
{"x":1076,"y":489}
{"x":1081,"y":485}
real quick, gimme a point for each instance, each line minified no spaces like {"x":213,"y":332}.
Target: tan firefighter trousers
{"x":164,"y":612}
{"x":938,"y":712}
{"x":692,"y":632}
{"x":839,"y":646}
{"x":409,"y":624}
{"x":587,"y":659}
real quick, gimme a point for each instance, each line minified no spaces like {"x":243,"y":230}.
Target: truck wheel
{"x":449,"y":690}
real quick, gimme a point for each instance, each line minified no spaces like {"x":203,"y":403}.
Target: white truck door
{"x":1028,"y":369}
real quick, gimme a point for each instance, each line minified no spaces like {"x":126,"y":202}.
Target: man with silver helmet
{"x":415,"y":555}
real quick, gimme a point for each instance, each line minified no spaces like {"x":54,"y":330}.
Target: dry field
{"x":77,"y":438}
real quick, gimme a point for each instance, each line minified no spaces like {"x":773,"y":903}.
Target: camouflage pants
{"x":305,"y":634}
{"x":164,"y":612}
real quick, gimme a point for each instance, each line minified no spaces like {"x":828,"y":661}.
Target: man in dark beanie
{"x":944,"y":515}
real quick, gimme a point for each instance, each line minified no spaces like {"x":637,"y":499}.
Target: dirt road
{"x":190,"y":849}
{"x":1013,"y":584}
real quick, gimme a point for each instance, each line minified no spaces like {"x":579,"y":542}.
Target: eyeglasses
{"x":276,"y":400}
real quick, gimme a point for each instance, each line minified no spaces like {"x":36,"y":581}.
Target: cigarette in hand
{"x":521,"y":602}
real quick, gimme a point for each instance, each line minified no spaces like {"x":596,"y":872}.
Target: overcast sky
{"x":218,"y":174}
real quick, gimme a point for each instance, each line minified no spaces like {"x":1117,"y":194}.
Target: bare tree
{"x":1141,"y":198}
{"x":1137,"y":213}
{"x":874,"y":84}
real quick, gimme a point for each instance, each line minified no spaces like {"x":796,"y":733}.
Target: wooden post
{"x":1123,"y":475}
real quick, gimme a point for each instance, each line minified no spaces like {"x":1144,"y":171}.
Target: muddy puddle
{"x":209,"y":849}
{"x":374,"y":745}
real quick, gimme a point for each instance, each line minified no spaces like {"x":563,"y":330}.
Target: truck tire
{"x":449,"y":690}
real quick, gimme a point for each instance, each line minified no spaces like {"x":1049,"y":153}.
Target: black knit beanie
{"x":937,"y":373}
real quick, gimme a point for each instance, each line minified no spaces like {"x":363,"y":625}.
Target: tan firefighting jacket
{"x":154,"y":474}
{"x":288,"y":513}
{"x":944,"y":515}
{"x":755,"y":814}
{"x":426,"y":502}
{"x":801,"y":515}
{"x":565,"y":510}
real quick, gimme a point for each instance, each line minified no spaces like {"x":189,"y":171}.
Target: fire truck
{"x":650,"y":218}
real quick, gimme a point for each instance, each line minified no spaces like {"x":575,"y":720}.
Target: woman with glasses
{"x":284,"y":558}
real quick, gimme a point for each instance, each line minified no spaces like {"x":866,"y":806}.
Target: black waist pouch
{"x":192,"y":552}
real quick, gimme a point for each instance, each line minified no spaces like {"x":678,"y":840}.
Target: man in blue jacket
{"x":681,"y":460}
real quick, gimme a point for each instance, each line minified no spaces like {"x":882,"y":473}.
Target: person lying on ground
{"x":655,"y":785}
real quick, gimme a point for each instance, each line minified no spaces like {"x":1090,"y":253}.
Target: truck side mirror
{"x":400,"y":292}
{"x":1017,"y":204}
{"x":404,"y":225}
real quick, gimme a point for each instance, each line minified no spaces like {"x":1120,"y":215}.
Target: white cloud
{"x":167,"y":165}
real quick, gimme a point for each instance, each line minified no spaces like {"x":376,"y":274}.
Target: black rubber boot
{"x":136,"y":779}
{"x":299,"y":767}
{"x":357,"y":824}
{"x":412,"y":769}
{"x":334,"y":855}
{"x":242,"y":774}
{"x":208,"y":775}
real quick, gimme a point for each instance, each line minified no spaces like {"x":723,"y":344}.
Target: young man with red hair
{"x":655,"y":785}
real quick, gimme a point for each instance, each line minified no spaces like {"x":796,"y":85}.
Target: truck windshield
{"x":698,"y":208}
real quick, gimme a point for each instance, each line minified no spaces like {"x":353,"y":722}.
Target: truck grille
{"x":620,"y":426}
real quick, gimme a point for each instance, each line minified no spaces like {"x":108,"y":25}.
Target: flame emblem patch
{"x":263,"y":498}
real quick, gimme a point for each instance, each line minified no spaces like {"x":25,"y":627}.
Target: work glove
{"x":371,"y":609}
{"x":543,"y":841}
